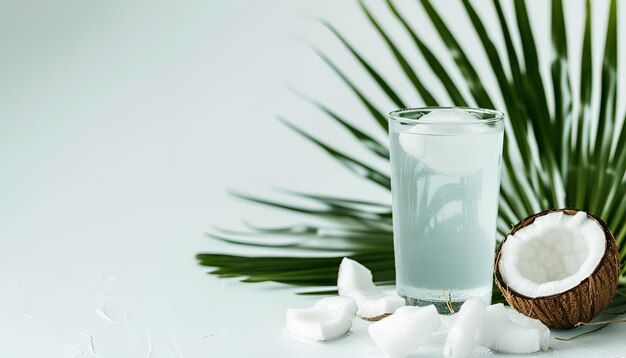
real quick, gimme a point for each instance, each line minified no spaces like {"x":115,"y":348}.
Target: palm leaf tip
{"x":374,"y":74}
{"x":363,"y":138}
{"x":402,"y":61}
{"x":354,"y":165}
{"x":376,"y":114}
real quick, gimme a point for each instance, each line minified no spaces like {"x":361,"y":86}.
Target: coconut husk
{"x":579,"y":304}
{"x":377,"y":318}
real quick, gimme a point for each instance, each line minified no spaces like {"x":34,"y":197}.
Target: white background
{"x":121,"y":126}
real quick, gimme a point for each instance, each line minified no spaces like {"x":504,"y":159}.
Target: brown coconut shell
{"x":377,"y":318}
{"x":581,"y":303}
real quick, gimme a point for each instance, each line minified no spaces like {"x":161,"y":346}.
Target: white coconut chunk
{"x":355,"y":280}
{"x":337,"y":305}
{"x":406,"y":330}
{"x":547,"y":341}
{"x":498,"y":332}
{"x":329,"y":318}
{"x":442,"y":134}
{"x":315,"y":324}
{"x":552,"y":255}
{"x":438,"y":339}
{"x":379,"y":304}
{"x":461,"y":339}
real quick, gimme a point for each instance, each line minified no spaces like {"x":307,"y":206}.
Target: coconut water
{"x":445,"y":183}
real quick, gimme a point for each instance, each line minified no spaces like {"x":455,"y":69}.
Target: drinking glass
{"x":445,"y":176}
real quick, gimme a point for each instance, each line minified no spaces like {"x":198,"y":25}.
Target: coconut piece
{"x":337,"y":305}
{"x":329,"y":318}
{"x":498,"y":332}
{"x":441,"y":134}
{"x":438,"y":339}
{"x":356,"y":281}
{"x":461,"y":339}
{"x":559,"y":266}
{"x":406,"y":330}
{"x":378,"y":306}
{"x":315,"y":324}
{"x":547,"y":341}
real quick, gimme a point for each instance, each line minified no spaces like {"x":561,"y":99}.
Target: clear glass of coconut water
{"x":445,"y":175}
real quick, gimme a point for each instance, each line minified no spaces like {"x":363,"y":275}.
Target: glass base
{"x":451,"y":301}
{"x":443,"y":307}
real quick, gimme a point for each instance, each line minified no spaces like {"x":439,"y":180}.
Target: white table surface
{"x":121,"y":125}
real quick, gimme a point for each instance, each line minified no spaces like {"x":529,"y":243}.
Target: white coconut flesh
{"x":377,"y":305}
{"x":546,"y":340}
{"x":355,"y":280}
{"x":499,"y":332}
{"x":337,"y":305}
{"x":442,"y":134}
{"x":552,"y":255}
{"x":461,"y":339}
{"x":438,"y":339}
{"x":405,"y":331}
{"x":329,"y":318}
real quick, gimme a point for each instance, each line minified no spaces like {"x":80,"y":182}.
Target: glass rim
{"x":493,"y":116}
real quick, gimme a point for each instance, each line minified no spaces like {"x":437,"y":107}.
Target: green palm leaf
{"x":580,"y":159}
{"x":366,"y":140}
{"x":458,"y":55}
{"x":606,"y":117}
{"x":427,"y":97}
{"x":557,"y":153}
{"x":453,"y":92}
{"x":357,"y":167}
{"x":393,"y":96}
{"x":373,"y":111}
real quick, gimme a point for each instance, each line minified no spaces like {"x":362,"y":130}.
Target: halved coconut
{"x":559,"y":266}
{"x":355,"y":280}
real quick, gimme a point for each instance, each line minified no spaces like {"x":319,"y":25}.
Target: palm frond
{"x":369,"y":106}
{"x":356,"y":166}
{"x":303,"y":270}
{"x":433,"y":62}
{"x":607,"y":113}
{"x":580,"y":159}
{"x":424,"y":93}
{"x":365,"y":139}
{"x":378,"y":79}
{"x":463,"y":63}
{"x":331,"y":212}
{"x":561,"y":88}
